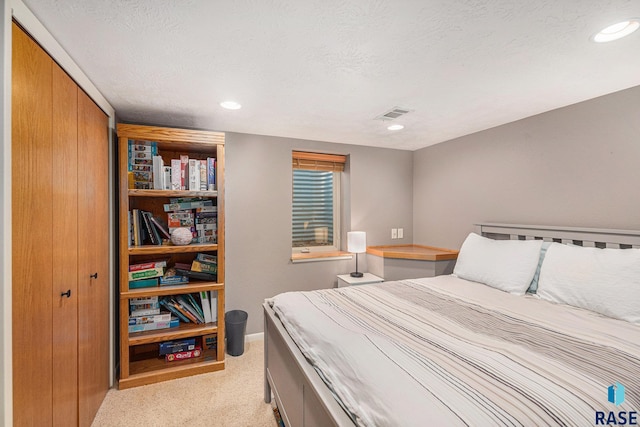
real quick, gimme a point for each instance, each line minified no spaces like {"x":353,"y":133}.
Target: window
{"x":316,"y":202}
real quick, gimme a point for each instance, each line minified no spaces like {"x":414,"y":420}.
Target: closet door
{"x":32,"y":232}
{"x":93,"y":271}
{"x":65,"y":249}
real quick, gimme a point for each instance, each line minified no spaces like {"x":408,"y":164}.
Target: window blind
{"x":312,"y":207}
{"x":318,"y":161}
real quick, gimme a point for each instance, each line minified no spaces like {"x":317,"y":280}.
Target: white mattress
{"x":446,"y":351}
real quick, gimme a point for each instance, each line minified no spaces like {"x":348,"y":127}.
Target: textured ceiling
{"x":323,"y":70}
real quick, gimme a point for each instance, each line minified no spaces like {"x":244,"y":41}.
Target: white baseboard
{"x":254,"y":337}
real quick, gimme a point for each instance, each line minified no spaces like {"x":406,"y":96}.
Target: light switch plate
{"x":400,"y":233}
{"x":394,"y":233}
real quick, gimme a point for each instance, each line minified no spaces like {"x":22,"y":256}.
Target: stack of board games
{"x":206,"y":224}
{"x":203,"y":267}
{"x":179,"y":350}
{"x":145,"y":315}
{"x":141,"y":164}
{"x":198,"y":214}
{"x":193,"y":174}
{"x":146,"y":274}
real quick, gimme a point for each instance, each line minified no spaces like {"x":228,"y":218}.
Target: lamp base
{"x":356,"y":274}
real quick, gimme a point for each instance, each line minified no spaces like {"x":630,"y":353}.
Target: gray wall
{"x":258,"y":215}
{"x":578,"y":166}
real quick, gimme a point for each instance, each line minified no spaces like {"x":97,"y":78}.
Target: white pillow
{"x":606,"y":281}
{"x":508,"y":265}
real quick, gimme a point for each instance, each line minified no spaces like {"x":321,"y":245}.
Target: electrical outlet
{"x":394,"y":233}
{"x":400,"y":233}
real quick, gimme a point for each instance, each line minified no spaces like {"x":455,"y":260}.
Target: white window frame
{"x":337,"y":231}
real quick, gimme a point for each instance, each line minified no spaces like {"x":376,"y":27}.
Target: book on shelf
{"x":160,"y":227}
{"x":194,"y":175}
{"x":137,"y":241}
{"x":146,"y":229}
{"x":203,"y":175}
{"x":152,"y":233}
{"x":187,"y":304}
{"x":194,"y":301}
{"x":190,"y":308}
{"x":176,"y":304}
{"x":142,"y":231}
{"x":206,"y":306}
{"x":168,"y":347}
{"x":158,"y":172}
{"x":211,"y":173}
{"x":129,"y":228}
{"x":176,"y":183}
{"x":213,"y":300}
{"x":184,"y":166}
{"x":183,"y":355}
{"x":166,"y":178}
{"x":169,"y":305}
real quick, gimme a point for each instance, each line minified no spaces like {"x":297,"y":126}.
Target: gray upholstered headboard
{"x":590,"y":237}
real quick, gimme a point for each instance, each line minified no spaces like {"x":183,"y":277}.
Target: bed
{"x":473,"y":348}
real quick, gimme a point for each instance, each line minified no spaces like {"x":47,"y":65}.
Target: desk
{"x":397,"y":262}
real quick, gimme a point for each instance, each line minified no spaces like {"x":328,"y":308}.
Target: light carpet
{"x":232,"y":397}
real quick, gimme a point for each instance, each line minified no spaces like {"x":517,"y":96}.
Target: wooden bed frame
{"x":302,"y":397}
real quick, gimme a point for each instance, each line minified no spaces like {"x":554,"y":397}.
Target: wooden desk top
{"x":419,"y":252}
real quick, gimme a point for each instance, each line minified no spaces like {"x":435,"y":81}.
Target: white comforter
{"x":445,"y":351}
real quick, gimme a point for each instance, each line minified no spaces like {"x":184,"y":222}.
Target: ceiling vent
{"x":394,"y":113}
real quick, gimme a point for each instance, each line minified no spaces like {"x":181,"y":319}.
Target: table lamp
{"x":356,"y":244}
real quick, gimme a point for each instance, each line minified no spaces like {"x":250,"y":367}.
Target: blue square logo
{"x":616,"y":393}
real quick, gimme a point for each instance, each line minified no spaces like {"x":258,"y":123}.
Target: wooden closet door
{"x":65,"y":249}
{"x":32,"y":231}
{"x":93,"y":243}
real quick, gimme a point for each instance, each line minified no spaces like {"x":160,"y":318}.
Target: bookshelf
{"x":140,"y":361}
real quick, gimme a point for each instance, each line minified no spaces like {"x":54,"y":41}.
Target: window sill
{"x":320,"y":256}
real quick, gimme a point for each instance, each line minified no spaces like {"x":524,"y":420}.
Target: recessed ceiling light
{"x":617,"y":31}
{"x":395,"y":127}
{"x":231,"y":105}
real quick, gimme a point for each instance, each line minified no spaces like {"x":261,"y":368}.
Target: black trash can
{"x":236,"y":324}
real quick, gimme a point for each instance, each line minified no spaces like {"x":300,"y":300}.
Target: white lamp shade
{"x":357,"y":242}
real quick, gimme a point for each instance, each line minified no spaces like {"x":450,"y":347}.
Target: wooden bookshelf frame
{"x":144,"y":368}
